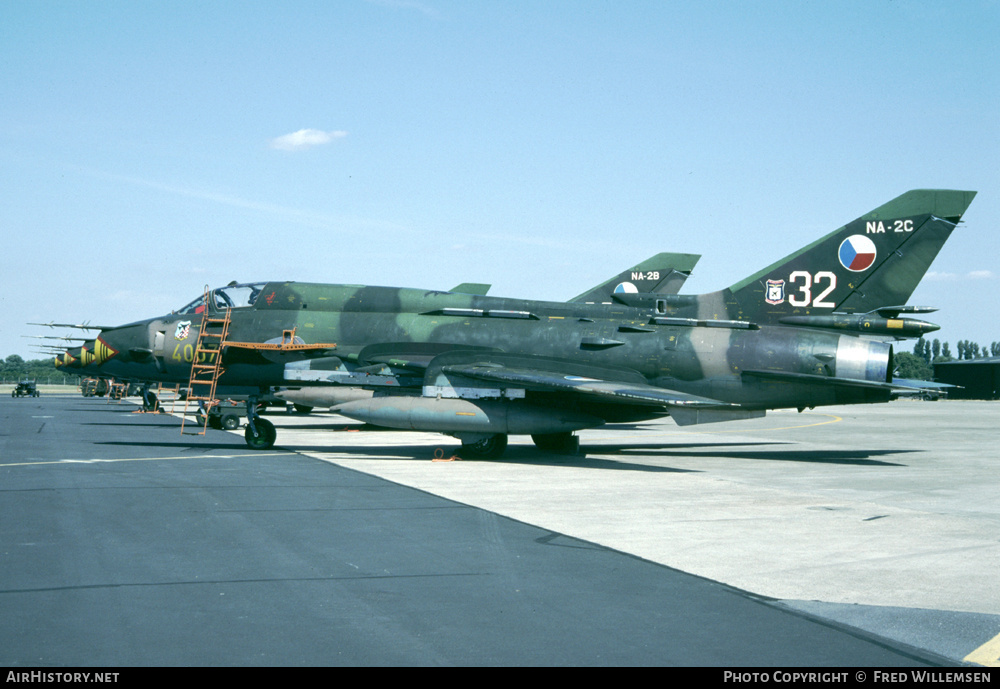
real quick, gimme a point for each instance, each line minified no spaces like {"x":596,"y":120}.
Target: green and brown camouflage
{"x":663,"y":273}
{"x":88,"y":359}
{"x":480,"y":367}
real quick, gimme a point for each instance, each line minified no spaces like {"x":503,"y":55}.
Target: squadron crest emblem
{"x":183,"y":330}
{"x":775,"y":292}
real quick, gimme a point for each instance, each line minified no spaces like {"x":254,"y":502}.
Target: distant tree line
{"x":14,"y":369}
{"x":919,"y":364}
{"x":936,"y":352}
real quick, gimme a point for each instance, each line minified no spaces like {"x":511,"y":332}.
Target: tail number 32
{"x":806,"y":283}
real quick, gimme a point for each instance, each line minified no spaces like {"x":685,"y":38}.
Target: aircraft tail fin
{"x":663,"y":273}
{"x":872,"y":262}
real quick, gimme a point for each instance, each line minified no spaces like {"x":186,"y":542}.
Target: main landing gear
{"x":492,"y":446}
{"x":483,"y":447}
{"x":557,"y":443}
{"x":259,"y":433}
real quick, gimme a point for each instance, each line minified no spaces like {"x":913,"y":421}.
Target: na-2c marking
{"x":879,"y":227}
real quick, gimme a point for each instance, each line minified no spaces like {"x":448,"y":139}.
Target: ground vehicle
{"x":26,"y":388}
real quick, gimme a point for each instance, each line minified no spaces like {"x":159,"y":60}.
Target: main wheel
{"x":487,"y":448}
{"x":265,"y":436}
{"x":558,"y":443}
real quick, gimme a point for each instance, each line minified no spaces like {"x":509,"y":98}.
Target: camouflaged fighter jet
{"x":797,"y":334}
{"x":664,"y":273}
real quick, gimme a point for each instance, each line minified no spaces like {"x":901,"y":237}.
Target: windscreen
{"x":232,"y":296}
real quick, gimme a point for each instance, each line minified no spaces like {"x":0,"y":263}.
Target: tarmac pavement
{"x":846,"y":536}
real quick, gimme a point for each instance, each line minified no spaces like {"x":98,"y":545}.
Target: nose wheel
{"x":260,"y":433}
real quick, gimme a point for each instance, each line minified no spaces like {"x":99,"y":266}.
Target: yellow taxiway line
{"x":987,"y":655}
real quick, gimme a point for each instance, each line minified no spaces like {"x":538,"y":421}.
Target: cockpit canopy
{"x":232,"y":296}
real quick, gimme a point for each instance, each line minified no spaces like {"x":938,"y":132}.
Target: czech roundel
{"x":857,"y":253}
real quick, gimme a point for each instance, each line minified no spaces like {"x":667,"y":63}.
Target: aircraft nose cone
{"x":104,"y":350}
{"x":128,"y":344}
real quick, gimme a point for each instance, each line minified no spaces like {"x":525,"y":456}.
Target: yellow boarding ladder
{"x":206,"y":368}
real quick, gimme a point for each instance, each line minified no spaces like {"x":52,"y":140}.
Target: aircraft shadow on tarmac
{"x":858,"y":457}
{"x":515,"y":454}
{"x":597,"y":456}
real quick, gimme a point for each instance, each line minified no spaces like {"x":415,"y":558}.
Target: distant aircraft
{"x":796,"y":334}
{"x":663,"y":273}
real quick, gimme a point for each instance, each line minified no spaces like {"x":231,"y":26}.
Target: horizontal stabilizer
{"x":827,"y":381}
{"x":915,"y":384}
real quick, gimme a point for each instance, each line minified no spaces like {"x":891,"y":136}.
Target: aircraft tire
{"x":488,"y":448}
{"x":230,"y":422}
{"x":302,"y":408}
{"x":557,"y":443}
{"x":265,"y":436}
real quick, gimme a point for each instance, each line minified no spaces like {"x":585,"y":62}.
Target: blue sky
{"x":150,"y":148}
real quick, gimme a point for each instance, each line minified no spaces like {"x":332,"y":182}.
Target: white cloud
{"x":305,"y":138}
{"x":939,"y":276}
{"x":971,"y":275}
